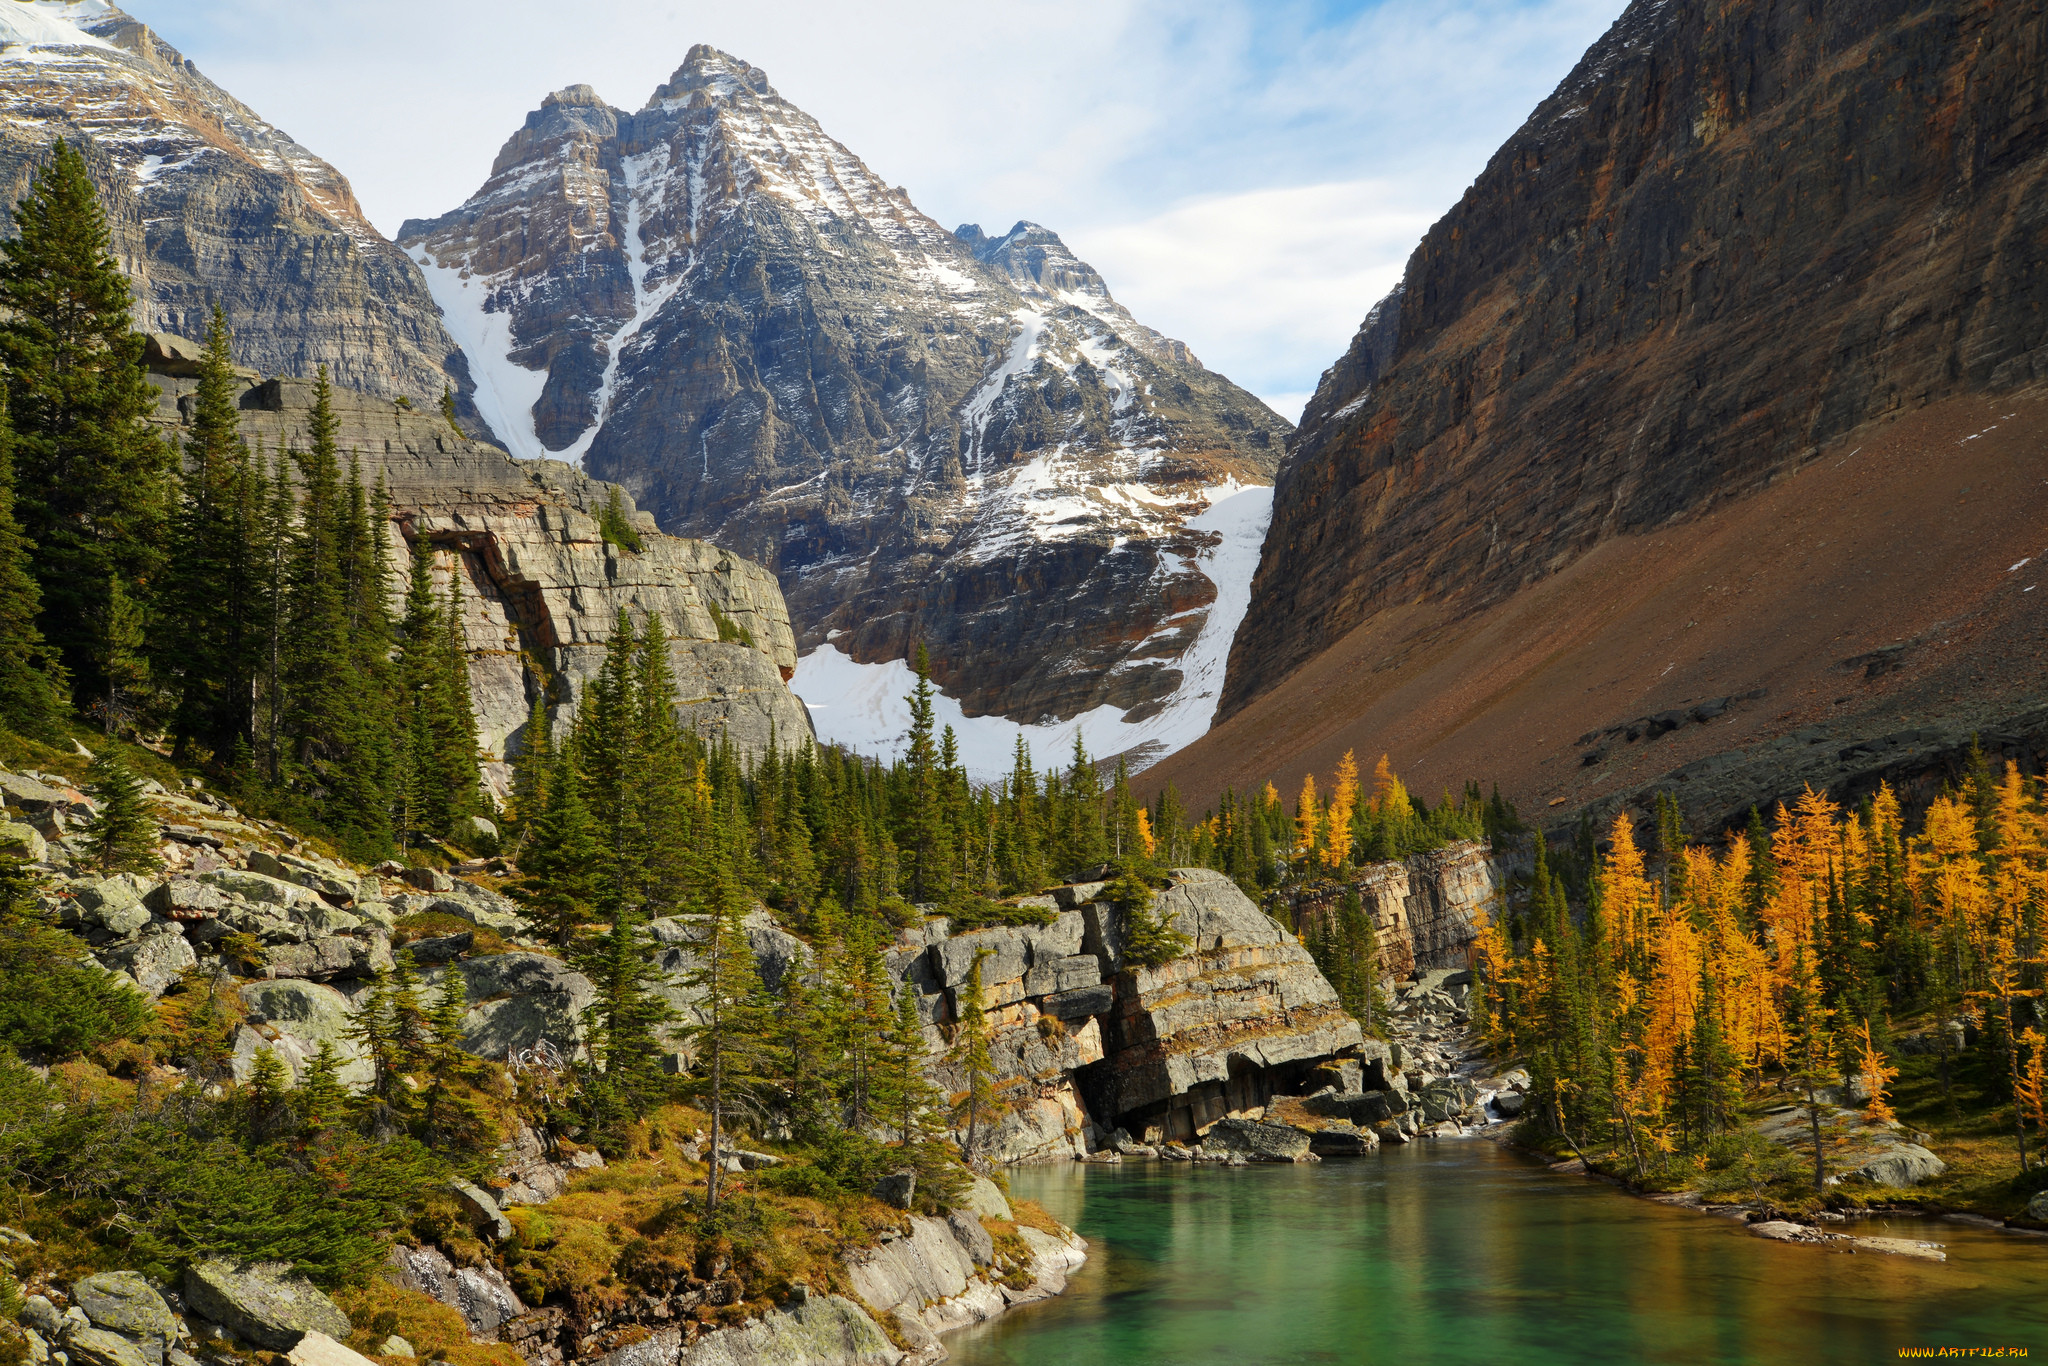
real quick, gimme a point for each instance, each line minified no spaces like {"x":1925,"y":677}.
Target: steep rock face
{"x":1734,"y":233}
{"x":541,"y":586}
{"x":953,"y":439}
{"x":1085,"y":1042}
{"x":1427,"y":908}
{"x":207,"y":202}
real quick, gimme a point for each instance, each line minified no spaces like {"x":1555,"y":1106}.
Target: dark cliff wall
{"x":1736,"y":231}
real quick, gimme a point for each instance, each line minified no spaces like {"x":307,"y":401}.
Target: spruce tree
{"x":120,"y":837}
{"x":609,"y":756}
{"x":623,"y":1079}
{"x":925,"y":835}
{"x":207,"y":642}
{"x":904,"y":1095}
{"x":530,"y":770}
{"x":33,"y":685}
{"x":729,"y":1029}
{"x":92,"y":482}
{"x":321,"y":1099}
{"x":561,"y":859}
{"x":978,"y":1104}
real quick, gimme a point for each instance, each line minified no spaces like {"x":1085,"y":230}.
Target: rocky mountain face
{"x":949,"y":438}
{"x":207,"y":202}
{"x":1086,"y":1043}
{"x":541,"y":585}
{"x":1737,"y":249}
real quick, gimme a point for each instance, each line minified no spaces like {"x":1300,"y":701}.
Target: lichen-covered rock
{"x":155,"y":961}
{"x":263,"y":1302}
{"x":23,"y":842}
{"x":518,"y":1000}
{"x":123,"y":1302}
{"x":99,"y":1347}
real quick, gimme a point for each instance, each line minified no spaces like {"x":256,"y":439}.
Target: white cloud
{"x":1274,"y":281}
{"x":1248,"y":174}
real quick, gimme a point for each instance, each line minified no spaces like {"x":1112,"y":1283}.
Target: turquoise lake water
{"x":1458,"y":1251}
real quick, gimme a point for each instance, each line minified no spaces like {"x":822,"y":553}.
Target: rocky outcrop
{"x":1085,"y":1043}
{"x":261,"y":1302}
{"x":928,"y":437}
{"x":542,"y":587}
{"x":207,"y":203}
{"x":1729,"y":236}
{"x":1426,"y":908}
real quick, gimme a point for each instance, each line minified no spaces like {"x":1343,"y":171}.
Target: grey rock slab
{"x":305,"y":1015}
{"x":24,"y":842}
{"x":969,"y":1233}
{"x":98,"y":1347}
{"x":263,"y":1302}
{"x":952,"y":959}
{"x":482,"y":1210}
{"x":155,"y":962}
{"x":1900,"y":1164}
{"x":1051,"y":975}
{"x":1257,"y":1142}
{"x":123,"y":1302}
{"x":986,"y":1199}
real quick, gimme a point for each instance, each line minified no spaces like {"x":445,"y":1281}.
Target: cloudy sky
{"x":1249,"y":175}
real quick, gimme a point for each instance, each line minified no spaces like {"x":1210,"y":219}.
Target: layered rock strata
{"x":542,"y":586}
{"x":207,"y":203}
{"x":959,"y":440}
{"x":1086,"y":1042}
{"x":1427,"y":908}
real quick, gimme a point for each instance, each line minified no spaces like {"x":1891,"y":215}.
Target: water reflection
{"x":1456,"y":1251}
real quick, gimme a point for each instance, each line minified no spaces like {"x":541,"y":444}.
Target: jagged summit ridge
{"x":965,"y":443}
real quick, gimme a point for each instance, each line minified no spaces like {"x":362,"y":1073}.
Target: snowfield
{"x":864,"y":707}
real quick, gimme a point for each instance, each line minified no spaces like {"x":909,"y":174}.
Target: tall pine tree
{"x":93,"y":484}
{"x":32,"y":681}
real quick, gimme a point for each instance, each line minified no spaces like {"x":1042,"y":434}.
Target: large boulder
{"x":1900,"y":1164}
{"x":986,"y":1199}
{"x":480,"y":1294}
{"x":295,"y":1018}
{"x":262,"y":1302}
{"x":155,"y":961}
{"x":99,"y":1347}
{"x":22,"y":842}
{"x":123,"y":1302}
{"x":1257,"y":1142}
{"x":517,"y":1000}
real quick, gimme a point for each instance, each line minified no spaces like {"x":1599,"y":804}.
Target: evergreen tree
{"x":120,"y":837}
{"x":448,"y":410}
{"x":729,"y":1029}
{"x":1148,"y":940}
{"x":904,"y":1093}
{"x":562,"y":859}
{"x":610,"y":759}
{"x":530,"y":770}
{"x":92,"y":481}
{"x":926,"y":835}
{"x":322,"y":1101}
{"x":211,"y":602}
{"x":127,"y":704}
{"x":978,"y":1104}
{"x":32,"y":681}
{"x":623,"y":1079}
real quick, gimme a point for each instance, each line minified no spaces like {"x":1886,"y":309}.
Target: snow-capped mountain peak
{"x":928,"y":436}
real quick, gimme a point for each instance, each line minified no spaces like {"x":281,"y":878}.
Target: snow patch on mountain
{"x":864,"y":706}
{"x":52,"y":23}
{"x":505,"y":392}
